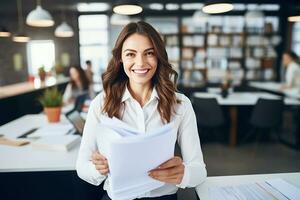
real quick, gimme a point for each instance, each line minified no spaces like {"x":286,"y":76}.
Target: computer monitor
{"x":76,"y":119}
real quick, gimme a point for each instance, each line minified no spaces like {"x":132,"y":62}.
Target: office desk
{"x":235,"y":99}
{"x":202,"y":190}
{"x":276,"y":88}
{"x":20,"y":99}
{"x":28,"y":173}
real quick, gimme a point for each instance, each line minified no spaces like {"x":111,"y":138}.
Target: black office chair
{"x":266,"y":117}
{"x":209,"y":116}
{"x":79,"y":101}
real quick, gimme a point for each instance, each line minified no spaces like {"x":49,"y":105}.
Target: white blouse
{"x":145,"y":119}
{"x":292,"y":76}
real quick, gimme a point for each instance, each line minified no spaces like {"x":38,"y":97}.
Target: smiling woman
{"x":140,"y":63}
{"x":139,"y":90}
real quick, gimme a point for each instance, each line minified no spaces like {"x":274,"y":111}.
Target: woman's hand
{"x":100,"y":163}
{"x":169,"y":172}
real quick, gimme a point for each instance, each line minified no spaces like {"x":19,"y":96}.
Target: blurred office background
{"x":239,"y":49}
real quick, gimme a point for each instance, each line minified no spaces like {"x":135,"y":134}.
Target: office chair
{"x":79,"y":101}
{"x":266,"y":116}
{"x":209,"y":116}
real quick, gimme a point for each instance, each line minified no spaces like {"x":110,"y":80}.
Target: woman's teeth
{"x":140,"y":71}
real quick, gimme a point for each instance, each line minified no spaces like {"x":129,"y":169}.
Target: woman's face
{"x":139,"y":59}
{"x":74,"y":74}
{"x":286,"y":59}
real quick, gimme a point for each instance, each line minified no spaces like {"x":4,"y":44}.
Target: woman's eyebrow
{"x":129,"y":50}
{"x":149,"y":49}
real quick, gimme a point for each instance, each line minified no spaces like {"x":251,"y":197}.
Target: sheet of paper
{"x":267,"y":190}
{"x":121,"y":127}
{"x":285,"y":188}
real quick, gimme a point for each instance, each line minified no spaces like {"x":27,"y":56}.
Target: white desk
{"x":202,"y":190}
{"x":276,"y":87}
{"x":241,"y":99}
{"x":25,"y":158}
{"x":244,"y":98}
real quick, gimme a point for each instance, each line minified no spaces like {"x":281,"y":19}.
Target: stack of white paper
{"x":266,"y":190}
{"x":57,"y":142}
{"x":132,"y":154}
{"x":52,"y":129}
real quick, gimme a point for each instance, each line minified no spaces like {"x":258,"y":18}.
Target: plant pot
{"x":53,"y":114}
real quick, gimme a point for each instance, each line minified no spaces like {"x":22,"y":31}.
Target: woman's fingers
{"x":104,"y":171}
{"x":98,"y":156}
{"x":100,"y":162}
{"x":173,"y":180}
{"x":101,"y":167}
{"x":171,"y":163}
{"x":169,"y":172}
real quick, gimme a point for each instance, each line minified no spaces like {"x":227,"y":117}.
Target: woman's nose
{"x":139,"y":60}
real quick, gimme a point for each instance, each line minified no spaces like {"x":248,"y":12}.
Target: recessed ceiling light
{"x":156,"y":6}
{"x":294,"y":18}
{"x":172,"y":6}
{"x":92,"y":7}
{"x":215,"y":8}
{"x":127,"y":7}
{"x":191,"y":6}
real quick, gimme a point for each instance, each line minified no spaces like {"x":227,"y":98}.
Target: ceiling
{"x":9,"y":6}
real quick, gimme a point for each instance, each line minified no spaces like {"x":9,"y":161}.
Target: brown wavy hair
{"x":83,"y":78}
{"x":115,"y":80}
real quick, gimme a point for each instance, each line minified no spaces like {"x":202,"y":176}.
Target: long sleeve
{"x":189,"y":142}
{"x":85,"y":168}
{"x":292,"y":75}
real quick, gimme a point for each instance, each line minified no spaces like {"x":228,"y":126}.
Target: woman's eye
{"x":129,"y":54}
{"x":150,"y":53}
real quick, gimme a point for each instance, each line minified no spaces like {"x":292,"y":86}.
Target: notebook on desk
{"x":56,"y":143}
{"x":77,"y":121}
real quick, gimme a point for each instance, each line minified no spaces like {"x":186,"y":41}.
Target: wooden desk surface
{"x":21,"y":88}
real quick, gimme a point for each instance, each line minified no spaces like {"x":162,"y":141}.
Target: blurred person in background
{"x":89,"y":70}
{"x":292,"y":70}
{"x":79,"y":84}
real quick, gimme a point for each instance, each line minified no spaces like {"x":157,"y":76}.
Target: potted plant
{"x":42,"y":73}
{"x":52,"y":102}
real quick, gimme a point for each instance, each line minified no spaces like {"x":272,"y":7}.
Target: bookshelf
{"x":224,"y":45}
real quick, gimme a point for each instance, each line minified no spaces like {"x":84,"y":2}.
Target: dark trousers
{"x":166,"y":197}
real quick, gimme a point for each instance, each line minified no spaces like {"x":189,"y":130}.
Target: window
{"x":93,"y":40}
{"x":40,"y":53}
{"x":296,"y":38}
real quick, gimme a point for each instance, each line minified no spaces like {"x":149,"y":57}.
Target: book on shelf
{"x":187,"y":53}
{"x":212,"y":39}
{"x":234,"y":65}
{"x":187,"y":41}
{"x":57,"y":142}
{"x":225,"y":40}
{"x":199,"y":40}
{"x":237,"y":40}
{"x":187,"y":64}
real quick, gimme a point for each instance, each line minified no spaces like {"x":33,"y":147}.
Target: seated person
{"x":88,"y":71}
{"x":292,"y":73}
{"x":78,"y":85}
